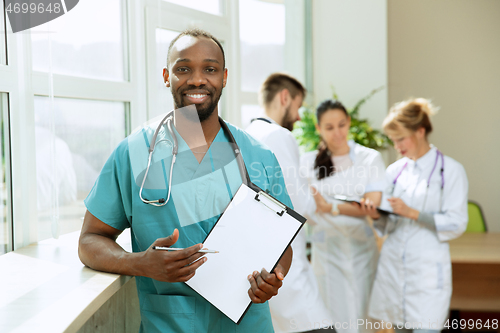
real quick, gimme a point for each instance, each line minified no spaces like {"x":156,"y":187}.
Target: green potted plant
{"x":361,"y":132}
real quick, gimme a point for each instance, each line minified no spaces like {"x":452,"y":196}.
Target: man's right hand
{"x":171,"y":266}
{"x":98,"y":250}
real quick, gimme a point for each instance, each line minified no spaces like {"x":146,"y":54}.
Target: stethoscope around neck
{"x":438,"y":154}
{"x":168,"y":120}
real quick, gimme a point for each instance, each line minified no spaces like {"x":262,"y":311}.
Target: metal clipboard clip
{"x":267,"y":197}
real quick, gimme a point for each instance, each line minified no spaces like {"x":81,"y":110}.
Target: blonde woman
{"x":428,"y":191}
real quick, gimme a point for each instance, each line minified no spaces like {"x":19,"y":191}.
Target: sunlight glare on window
{"x":262,"y":39}
{"x":73,"y":141}
{"x":87,"y":41}
{"x":208,"y":6}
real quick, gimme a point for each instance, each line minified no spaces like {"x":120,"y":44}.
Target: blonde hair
{"x":411,"y":114}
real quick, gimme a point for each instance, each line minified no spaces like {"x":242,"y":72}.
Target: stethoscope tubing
{"x":168,"y":119}
{"x":438,"y":154}
{"x":161,"y":202}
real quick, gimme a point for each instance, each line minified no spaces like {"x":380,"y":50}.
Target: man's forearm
{"x":104,"y":254}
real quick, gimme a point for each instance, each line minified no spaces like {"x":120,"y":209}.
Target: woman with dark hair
{"x":344,"y":249}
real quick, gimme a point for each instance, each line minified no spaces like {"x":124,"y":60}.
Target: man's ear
{"x":224,"y":79}
{"x":166,"y":77}
{"x":285,"y":98}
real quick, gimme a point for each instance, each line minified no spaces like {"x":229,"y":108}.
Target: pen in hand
{"x":179,"y":249}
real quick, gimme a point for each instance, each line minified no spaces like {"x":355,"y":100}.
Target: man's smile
{"x":196,"y":97}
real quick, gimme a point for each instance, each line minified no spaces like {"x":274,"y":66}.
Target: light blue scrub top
{"x":200,"y":192}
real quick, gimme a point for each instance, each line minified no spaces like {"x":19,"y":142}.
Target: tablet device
{"x":346,"y":199}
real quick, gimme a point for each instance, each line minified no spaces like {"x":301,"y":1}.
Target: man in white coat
{"x":298,"y":307}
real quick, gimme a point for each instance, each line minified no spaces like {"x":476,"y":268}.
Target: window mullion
{"x":137,"y":63}
{"x":77,"y":87}
{"x":23,"y":144}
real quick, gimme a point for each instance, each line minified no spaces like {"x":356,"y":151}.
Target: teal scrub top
{"x":199,"y":194}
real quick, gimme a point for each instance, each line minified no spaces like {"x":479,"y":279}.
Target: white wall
{"x":449,"y":50}
{"x":350,"y":53}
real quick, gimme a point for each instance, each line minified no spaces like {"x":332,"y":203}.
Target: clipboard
{"x":346,"y":199}
{"x":253,"y":233}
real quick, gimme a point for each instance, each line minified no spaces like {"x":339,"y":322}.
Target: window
{"x":86,"y":50}
{"x":262,"y":48}
{"x":74,"y":138}
{"x":60,"y":143}
{"x":208,"y":6}
{"x":88,"y":41}
{"x":262,"y":41}
{"x":164,"y":100}
{"x":249,"y":112}
{"x":101,"y":64}
{"x":3,"y":36}
{"x":5,"y":207}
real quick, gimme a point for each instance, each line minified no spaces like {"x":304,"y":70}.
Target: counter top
{"x":44,"y":287}
{"x":476,"y":248}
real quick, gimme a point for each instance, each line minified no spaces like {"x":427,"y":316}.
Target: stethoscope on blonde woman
{"x":438,"y":154}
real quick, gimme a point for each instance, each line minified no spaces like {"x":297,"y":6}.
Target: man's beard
{"x":203,"y":113}
{"x":287,"y":122}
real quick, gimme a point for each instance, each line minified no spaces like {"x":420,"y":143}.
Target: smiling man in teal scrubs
{"x":203,"y":182}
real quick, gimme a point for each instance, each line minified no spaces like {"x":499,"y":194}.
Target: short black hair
{"x":196,"y":32}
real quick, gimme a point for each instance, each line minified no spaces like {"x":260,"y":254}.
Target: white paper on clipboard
{"x":250,"y":235}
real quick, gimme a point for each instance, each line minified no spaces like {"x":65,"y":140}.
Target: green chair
{"x":477,"y":222}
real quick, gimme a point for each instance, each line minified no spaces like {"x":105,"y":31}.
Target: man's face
{"x":196,"y":74}
{"x":292,"y":112}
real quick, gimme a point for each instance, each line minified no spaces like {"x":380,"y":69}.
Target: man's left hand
{"x":265,"y":285}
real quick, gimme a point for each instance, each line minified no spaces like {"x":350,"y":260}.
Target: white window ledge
{"x":44,"y":287}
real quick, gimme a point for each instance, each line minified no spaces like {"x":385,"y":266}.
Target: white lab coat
{"x":344,"y":250}
{"x":298,"y":306}
{"x":413,"y":282}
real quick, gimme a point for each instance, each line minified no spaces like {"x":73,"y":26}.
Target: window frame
{"x":140,"y":18}
{"x":5,"y":114}
{"x":22,"y":83}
